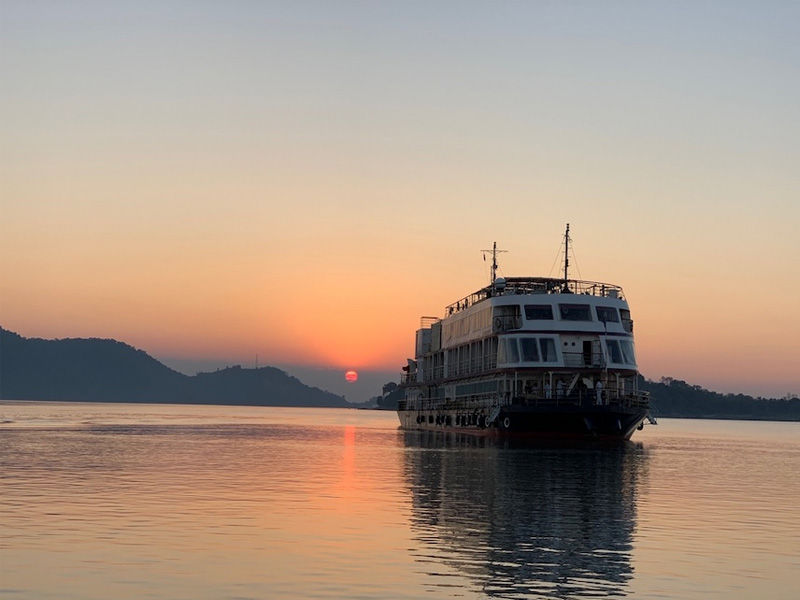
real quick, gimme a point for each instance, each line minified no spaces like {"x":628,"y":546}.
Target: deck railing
{"x":478,"y":365}
{"x":538,"y":285}
{"x":584,"y":359}
{"x":577,"y":399}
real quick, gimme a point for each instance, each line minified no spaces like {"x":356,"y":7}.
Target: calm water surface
{"x":154,"y":501}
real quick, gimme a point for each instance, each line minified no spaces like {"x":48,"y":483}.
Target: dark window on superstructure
{"x":512,"y":354}
{"x":607,"y":314}
{"x":539,"y":312}
{"x":627,"y":351}
{"x":507,"y":351}
{"x":627,"y":324}
{"x":530,"y":350}
{"x":614,"y":355}
{"x":548,"y":347}
{"x":575,"y":312}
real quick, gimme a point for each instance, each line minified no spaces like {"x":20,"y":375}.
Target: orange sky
{"x":215,"y":186}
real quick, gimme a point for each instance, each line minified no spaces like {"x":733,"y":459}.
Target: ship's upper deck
{"x":512,"y":286}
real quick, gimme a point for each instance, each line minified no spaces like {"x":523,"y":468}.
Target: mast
{"x":494,"y":252}
{"x":566,"y":258}
{"x":494,"y":261}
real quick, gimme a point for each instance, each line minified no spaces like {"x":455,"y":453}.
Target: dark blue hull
{"x":594,"y":422}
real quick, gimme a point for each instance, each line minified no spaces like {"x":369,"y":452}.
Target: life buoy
{"x":507,"y":423}
{"x":498,"y":324}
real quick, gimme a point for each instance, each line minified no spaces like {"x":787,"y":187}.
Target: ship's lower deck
{"x":589,"y":422}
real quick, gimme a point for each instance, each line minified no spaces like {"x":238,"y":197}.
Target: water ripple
{"x":192,"y":502}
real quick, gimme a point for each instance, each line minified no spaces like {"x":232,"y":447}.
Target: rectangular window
{"x":575,"y":312}
{"x":627,"y":351}
{"x":539,"y":312}
{"x":607,"y":314}
{"x":501,"y":351}
{"x":507,"y":351}
{"x":627,"y":324}
{"x":512,"y":353}
{"x":614,"y":354}
{"x":548,"y":347}
{"x":530,"y":350}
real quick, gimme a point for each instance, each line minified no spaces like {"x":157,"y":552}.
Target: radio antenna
{"x":494,"y":252}
{"x":566,"y":259}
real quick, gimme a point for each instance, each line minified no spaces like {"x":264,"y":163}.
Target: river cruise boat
{"x":533,"y":356}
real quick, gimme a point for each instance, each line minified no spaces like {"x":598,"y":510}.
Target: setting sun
{"x":351,"y":376}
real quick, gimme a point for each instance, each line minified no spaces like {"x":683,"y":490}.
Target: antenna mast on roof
{"x":494,"y":252}
{"x":566,"y":258}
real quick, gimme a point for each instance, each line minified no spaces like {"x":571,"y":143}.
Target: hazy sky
{"x":209,"y":181}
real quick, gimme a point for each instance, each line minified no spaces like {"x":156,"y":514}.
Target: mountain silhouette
{"x":104,"y":370}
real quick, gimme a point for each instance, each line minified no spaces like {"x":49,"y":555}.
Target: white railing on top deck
{"x":538,"y":285}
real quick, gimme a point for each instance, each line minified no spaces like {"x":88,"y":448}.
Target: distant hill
{"x":98,"y":370}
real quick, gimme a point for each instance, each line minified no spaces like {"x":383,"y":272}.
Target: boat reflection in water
{"x":510,"y":520}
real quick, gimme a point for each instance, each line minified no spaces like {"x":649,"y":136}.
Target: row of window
{"x":526,"y":349}
{"x":574,"y":312}
{"x":462,"y":326}
{"x":543,"y":349}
